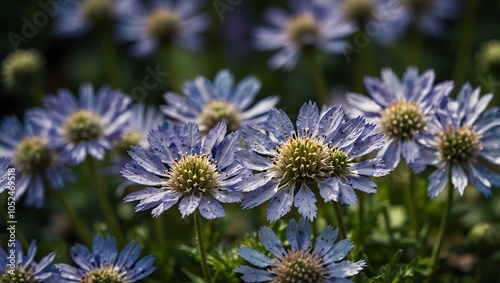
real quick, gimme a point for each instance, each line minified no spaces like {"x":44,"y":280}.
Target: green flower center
{"x":299,"y":267}
{"x":83,"y":125}
{"x":359,"y":10}
{"x":302,"y":27}
{"x":459,"y":146}
{"x":103,"y":275}
{"x":489,"y":58}
{"x":22,"y":68}
{"x":302,"y":159}
{"x":129,"y":139}
{"x":16,"y":276}
{"x":219,"y":111}
{"x":98,"y":12}
{"x":164,"y":24}
{"x":193,"y":174}
{"x":419,"y":6}
{"x":340,"y":160}
{"x":402,"y":120}
{"x":33,"y":155}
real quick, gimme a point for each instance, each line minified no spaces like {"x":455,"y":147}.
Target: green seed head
{"x":104,"y":275}
{"x":300,"y":27}
{"x":22,"y":68}
{"x":458,"y":146}
{"x":98,"y":12}
{"x":164,"y":24}
{"x":489,"y":58}
{"x":402,"y":120}
{"x":359,"y":10}
{"x":219,"y":111}
{"x":193,"y":174}
{"x":83,"y":125}
{"x":299,"y":267}
{"x":339,"y":162}
{"x":484,"y":239}
{"x":18,"y":275}
{"x":129,"y":139}
{"x":33,"y":155}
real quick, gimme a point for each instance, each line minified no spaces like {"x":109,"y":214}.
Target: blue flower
{"x":4,"y":167}
{"x":314,"y":23}
{"x":208,"y":103}
{"x":25,"y":268}
{"x":200,"y":172}
{"x":34,"y":158}
{"x":301,"y":262}
{"x":87,"y":126}
{"x":400,"y":109}
{"x":459,"y":141}
{"x":163,"y":23}
{"x":105,"y":264}
{"x":321,"y":154}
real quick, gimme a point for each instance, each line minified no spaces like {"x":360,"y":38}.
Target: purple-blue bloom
{"x":89,"y":125}
{"x":208,"y":103}
{"x":301,"y":262}
{"x":459,"y":142}
{"x":104,"y":263}
{"x":400,"y":108}
{"x":4,"y":167}
{"x":34,"y":158}
{"x":26,"y":268}
{"x":162,"y":23}
{"x":198,"y":172}
{"x":320,"y":155}
{"x":311,"y":24}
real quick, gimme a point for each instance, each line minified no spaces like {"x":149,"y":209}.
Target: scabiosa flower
{"x":460,"y":140}
{"x":400,"y":109}
{"x":105,"y":264}
{"x":201,"y":172}
{"x":4,"y":167}
{"x":320,"y":154}
{"x":163,"y":23}
{"x":23,"y":268}
{"x":87,"y":126}
{"x":312,"y":24}
{"x":208,"y":103}
{"x":301,"y":262}
{"x":35,"y":160}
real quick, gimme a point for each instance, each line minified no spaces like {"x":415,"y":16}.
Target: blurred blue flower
{"x":301,"y":262}
{"x":459,"y":141}
{"x":321,"y":154}
{"x":208,"y":103}
{"x":200,"y":172}
{"x":86,"y":126}
{"x":26,"y":269}
{"x":312,"y":24}
{"x":164,"y":22}
{"x":400,"y":109}
{"x":4,"y":166}
{"x":34,"y":158}
{"x":105,"y":264}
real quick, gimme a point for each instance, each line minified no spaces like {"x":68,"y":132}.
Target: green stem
{"x":201,"y":247}
{"x":479,"y":270}
{"x":102,"y":196}
{"x":37,"y":92}
{"x":110,"y":59}
{"x":82,"y":231}
{"x":412,"y":201}
{"x":361,"y":213}
{"x":19,"y":234}
{"x":361,"y":70}
{"x":416,"y":46}
{"x":318,"y":76}
{"x":388,"y":225}
{"x":158,"y":228}
{"x":442,"y":229}
{"x":340,"y":222}
{"x":175,"y":84}
{"x":463,"y":57}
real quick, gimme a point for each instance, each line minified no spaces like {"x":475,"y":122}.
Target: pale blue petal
{"x":188,"y":205}
{"x":280,"y":204}
{"x":305,"y":201}
{"x":437,"y":180}
{"x":279,"y":124}
{"x":299,"y":235}
{"x":271,"y":242}
{"x":211,"y":208}
{"x":254,"y":257}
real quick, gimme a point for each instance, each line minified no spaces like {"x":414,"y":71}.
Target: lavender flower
{"x":400,"y":109}
{"x":208,"y":103}
{"x":105,"y":264}
{"x":200,"y":172}
{"x":320,"y":154}
{"x":163,"y":23}
{"x":312,"y":24}
{"x":23,"y":268}
{"x":459,"y":141}
{"x":300,"y":263}
{"x":4,"y":167}
{"x":87,"y":126}
{"x":35,"y":160}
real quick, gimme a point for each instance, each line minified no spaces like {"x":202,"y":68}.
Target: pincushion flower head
{"x":104,"y":263}
{"x":208,"y":103}
{"x":163,"y":23}
{"x":320,"y":155}
{"x":300,"y":262}
{"x":197,"y":172}
{"x":311,"y":24}
{"x":37,"y":164}
{"x":461,"y":140}
{"x":85,"y":126}
{"x":22,"y":69}
{"x":401,"y":109}
{"x":26,"y":268}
